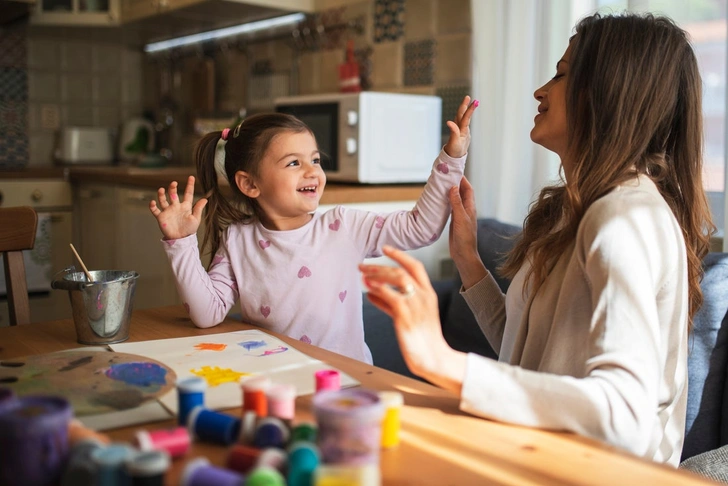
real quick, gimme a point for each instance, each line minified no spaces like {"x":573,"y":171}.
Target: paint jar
{"x":247,"y":427}
{"x":109,"y":462}
{"x":147,"y":468}
{"x":270,"y":432}
{"x":32,"y":428}
{"x":393,"y":402}
{"x":199,"y":472}
{"x":273,"y":458}
{"x":176,"y":442}
{"x":304,"y":431}
{"x":337,"y":474}
{"x":282,"y":401}
{"x":265,"y":476}
{"x":7,"y":399}
{"x":190,"y":394}
{"x":327,"y":380}
{"x":101,"y":308}
{"x":303,"y":459}
{"x":81,"y":470}
{"x":350,"y":426}
{"x":242,"y":458}
{"x":211,"y":426}
{"x":254,"y":394}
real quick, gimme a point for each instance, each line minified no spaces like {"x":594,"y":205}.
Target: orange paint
{"x":210,"y":347}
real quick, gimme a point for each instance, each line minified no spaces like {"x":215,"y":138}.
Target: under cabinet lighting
{"x":226,"y":32}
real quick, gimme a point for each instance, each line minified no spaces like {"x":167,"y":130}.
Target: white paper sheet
{"x":251,"y":352}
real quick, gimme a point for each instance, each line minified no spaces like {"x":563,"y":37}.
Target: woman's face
{"x":549,"y":129}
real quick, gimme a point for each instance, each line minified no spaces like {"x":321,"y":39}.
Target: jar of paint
{"x":211,"y":426}
{"x":34,"y":427}
{"x":199,"y":472}
{"x":7,"y":399}
{"x":327,"y":380}
{"x":392,"y":402}
{"x":270,"y":432}
{"x":81,"y":470}
{"x":282,"y":401}
{"x":174,"y":441}
{"x":349,"y":426}
{"x":254,"y":394}
{"x":303,"y":459}
{"x":147,"y":468}
{"x":109,"y":462}
{"x":190,"y":394}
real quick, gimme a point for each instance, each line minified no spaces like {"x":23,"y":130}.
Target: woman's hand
{"x":406,"y":294}
{"x":176,"y":218}
{"x":459,"y":141}
{"x":464,"y":234}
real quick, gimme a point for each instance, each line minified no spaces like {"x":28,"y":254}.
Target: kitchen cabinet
{"x":96,"y":213}
{"x":76,"y":12}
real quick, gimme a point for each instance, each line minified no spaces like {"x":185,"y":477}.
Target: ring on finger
{"x":407,"y":291}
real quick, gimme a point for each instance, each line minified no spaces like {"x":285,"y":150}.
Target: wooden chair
{"x":17,"y":233}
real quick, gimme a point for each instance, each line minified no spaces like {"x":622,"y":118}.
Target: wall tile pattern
{"x":14,"y":141}
{"x":388,"y":20}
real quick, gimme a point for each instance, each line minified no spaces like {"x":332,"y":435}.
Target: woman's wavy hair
{"x":245,"y":147}
{"x":633,"y":104}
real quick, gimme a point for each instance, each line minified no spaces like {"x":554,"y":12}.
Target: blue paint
{"x":252,"y":344}
{"x":138,"y":374}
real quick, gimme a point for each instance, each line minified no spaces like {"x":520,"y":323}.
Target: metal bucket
{"x":102,"y":308}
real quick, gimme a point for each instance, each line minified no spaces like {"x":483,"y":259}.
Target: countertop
{"x":153,"y":178}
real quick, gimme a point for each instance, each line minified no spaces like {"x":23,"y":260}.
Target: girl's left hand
{"x":459,"y":141}
{"x":406,"y":294}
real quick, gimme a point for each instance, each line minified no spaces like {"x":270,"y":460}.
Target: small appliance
{"x":372,"y":137}
{"x":84,"y":145}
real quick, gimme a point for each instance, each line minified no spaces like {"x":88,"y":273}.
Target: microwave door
{"x":323,"y":119}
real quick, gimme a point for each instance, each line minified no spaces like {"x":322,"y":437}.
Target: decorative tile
{"x":13,"y":116}
{"x":13,"y":84}
{"x":451,"y":98}
{"x":13,"y":48}
{"x":388,"y":20}
{"x":419,"y":62}
{"x":14,"y":149}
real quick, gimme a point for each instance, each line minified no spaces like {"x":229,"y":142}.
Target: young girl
{"x":592,"y":335}
{"x":294,"y":270}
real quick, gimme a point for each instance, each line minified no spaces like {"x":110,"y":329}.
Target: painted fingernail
{"x":174,"y":196}
{"x":476,"y":103}
{"x":164,"y":225}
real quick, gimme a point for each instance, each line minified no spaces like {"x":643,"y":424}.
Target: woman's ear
{"x":246,"y":184}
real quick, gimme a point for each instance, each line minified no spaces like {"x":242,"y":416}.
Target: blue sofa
{"x":706,"y":432}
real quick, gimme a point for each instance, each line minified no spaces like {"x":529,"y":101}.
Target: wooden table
{"x":440,"y":444}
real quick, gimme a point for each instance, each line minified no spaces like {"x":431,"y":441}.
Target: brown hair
{"x":246,"y":145}
{"x":633,"y":103}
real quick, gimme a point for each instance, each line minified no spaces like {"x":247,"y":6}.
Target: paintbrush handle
{"x":85,"y":270}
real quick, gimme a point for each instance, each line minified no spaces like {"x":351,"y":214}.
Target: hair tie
{"x":225,"y":132}
{"x":220,"y":159}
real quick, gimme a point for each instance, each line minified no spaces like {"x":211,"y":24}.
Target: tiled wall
{"x":62,"y":77}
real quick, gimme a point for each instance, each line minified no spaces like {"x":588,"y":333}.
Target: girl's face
{"x":549,"y":128}
{"x":289,"y":183}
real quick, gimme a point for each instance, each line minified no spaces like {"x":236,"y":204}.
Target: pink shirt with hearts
{"x":305,"y":282}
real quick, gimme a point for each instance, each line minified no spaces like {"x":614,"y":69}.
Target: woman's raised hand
{"x":176,"y":218}
{"x":459,"y":141}
{"x":464,"y":234}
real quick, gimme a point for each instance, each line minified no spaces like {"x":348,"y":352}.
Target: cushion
{"x":712,"y":464}
{"x":460,"y":328}
{"x":707,"y":360}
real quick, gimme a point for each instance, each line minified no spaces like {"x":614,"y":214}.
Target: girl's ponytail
{"x":222,"y":205}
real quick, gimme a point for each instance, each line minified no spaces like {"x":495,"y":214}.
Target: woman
{"x":592,"y":333}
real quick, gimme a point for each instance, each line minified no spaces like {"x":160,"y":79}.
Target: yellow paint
{"x":217,"y":376}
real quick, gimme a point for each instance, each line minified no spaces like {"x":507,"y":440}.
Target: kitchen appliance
{"x":84,"y":145}
{"x":136,"y":139}
{"x":372,"y":137}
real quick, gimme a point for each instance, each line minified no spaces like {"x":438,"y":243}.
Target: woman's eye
{"x":557,"y":76}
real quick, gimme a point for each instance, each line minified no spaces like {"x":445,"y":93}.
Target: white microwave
{"x":372,"y":137}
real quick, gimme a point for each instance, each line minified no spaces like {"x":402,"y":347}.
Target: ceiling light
{"x":226,"y":32}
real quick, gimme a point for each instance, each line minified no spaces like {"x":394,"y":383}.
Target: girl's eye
{"x":292,"y":163}
{"x":316,"y":161}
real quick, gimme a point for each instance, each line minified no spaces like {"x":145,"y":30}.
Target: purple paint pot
{"x":350,"y":426}
{"x":34,"y":440}
{"x":199,"y":472}
{"x":7,"y":399}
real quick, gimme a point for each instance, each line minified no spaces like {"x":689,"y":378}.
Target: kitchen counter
{"x":153,"y":178}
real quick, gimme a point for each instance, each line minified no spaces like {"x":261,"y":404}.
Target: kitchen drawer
{"x":38,"y":193}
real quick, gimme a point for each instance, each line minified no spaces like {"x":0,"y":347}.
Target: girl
{"x":592,"y":333}
{"x":294,"y":270}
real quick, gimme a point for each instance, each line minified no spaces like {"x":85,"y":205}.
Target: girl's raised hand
{"x":176,"y":218}
{"x":459,"y":141}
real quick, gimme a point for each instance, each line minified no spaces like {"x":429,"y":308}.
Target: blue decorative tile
{"x":13,"y":50}
{"x":13,"y":84}
{"x":388,"y":20}
{"x":13,"y":116}
{"x":13,"y":150}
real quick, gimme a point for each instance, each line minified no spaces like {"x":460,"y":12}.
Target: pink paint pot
{"x":350,"y":426}
{"x":34,"y":444}
{"x":327,"y":380}
{"x":282,"y":401}
{"x":174,"y":441}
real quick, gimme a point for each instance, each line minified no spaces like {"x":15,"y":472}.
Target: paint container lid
{"x":305,"y":431}
{"x":255,"y":383}
{"x":359,"y":404}
{"x":147,"y":463}
{"x":273,"y":458}
{"x":270,"y":432}
{"x":111,"y":456}
{"x":281,"y":391}
{"x":190,"y":469}
{"x":265,"y":476}
{"x":391,"y":399}
{"x":327,"y":380}
{"x":143,"y":440}
{"x":247,"y":427}
{"x":193,"y":384}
